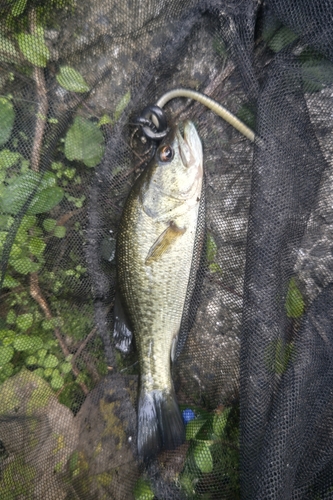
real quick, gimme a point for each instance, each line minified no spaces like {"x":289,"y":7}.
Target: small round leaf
{"x":26,"y":342}
{"x":6,"y":354}
{"x":50,"y":361}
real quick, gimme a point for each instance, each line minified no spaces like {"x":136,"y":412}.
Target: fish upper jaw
{"x":190,"y":147}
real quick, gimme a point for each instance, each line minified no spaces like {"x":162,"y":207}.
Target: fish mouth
{"x":190,"y":147}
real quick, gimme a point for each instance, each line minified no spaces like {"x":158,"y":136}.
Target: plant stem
{"x":37,"y":295}
{"x":42,"y":104}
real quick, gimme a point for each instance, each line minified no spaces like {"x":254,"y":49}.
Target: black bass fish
{"x":154,"y":256}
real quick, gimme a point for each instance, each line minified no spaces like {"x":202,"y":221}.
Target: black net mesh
{"x":253,"y":375}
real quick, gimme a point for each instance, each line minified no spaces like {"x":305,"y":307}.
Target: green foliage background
{"x":42,"y":206}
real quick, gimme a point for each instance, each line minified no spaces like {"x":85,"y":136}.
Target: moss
{"x":9,"y":392}
{"x":114,"y":426}
{"x":58,"y":467}
{"x":60,"y":442}
{"x":105,"y":479}
{"x":82,"y":463}
{"x":17,"y":479}
{"x":8,"y":397}
{"x":40,"y":396}
{"x":98,"y":449}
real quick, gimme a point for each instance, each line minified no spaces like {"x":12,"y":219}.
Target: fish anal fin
{"x":122,"y":333}
{"x":164,"y":241}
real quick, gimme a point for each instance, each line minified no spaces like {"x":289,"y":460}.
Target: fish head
{"x":175,"y":177}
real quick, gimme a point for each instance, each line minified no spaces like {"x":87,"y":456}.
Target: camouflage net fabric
{"x":254,"y":374}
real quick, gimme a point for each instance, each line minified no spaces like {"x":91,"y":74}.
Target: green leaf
{"x":36,"y":246}
{"x":65,"y":367}
{"x":33,"y":48}
{"x":57,"y":382}
{"x":27,"y":223}
{"x":211,"y":248}
{"x":317,"y":75}
{"x":7,"y":334}
{"x":220,"y":422}
{"x":187,"y":483}
{"x":6,"y":354}
{"x":121,"y":106}
{"x":283,"y":37}
{"x":31,"y":361}
{"x":45,"y":200}
{"x":214,"y":267}
{"x":294,"y":301}
{"x":39,"y":372}
{"x":60,"y":231}
{"x":24,"y":321}
{"x":203,"y":457}
{"x":48,"y":324}
{"x":50,"y":361}
{"x":9,"y":282}
{"x":49,"y":224}
{"x":74,"y":461}
{"x":84,"y":142}
{"x":7,"y":117}
{"x":71,"y":80}
{"x":104,"y":120}
{"x":142,"y":490}
{"x":6,"y":371}
{"x":11,"y":317}
{"x":24,"y":265}
{"x":16,"y":251}
{"x":18,"y":7}
{"x":8,"y":158}
{"x":13,"y":196}
{"x":48,"y":372}
{"x":26,"y":342}
{"x":278,"y":355}
{"x":41,"y":354}
{"x":8,"y":52}
{"x":16,"y":194}
{"x":6,"y":222}
{"x":193,"y":427}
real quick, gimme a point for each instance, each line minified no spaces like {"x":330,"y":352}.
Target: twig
{"x":37,"y":295}
{"x":65,"y":218}
{"x":42,"y":109}
{"x":84,"y":343}
{"x":42,"y":104}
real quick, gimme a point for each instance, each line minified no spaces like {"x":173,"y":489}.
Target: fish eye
{"x":165,"y":153}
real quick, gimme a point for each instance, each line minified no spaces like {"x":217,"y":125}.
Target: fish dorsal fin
{"x":122,"y":333}
{"x":164,"y":241}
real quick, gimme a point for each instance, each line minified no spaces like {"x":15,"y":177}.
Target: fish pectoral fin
{"x":174,"y":348}
{"x":122,"y":333}
{"x":164,"y":241}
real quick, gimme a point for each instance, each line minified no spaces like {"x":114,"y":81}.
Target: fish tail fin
{"x":160,"y":423}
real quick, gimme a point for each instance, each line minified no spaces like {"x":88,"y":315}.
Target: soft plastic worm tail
{"x":211,"y":104}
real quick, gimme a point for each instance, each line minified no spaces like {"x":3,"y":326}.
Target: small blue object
{"x":188,"y":415}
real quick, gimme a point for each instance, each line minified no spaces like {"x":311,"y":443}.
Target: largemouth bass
{"x":154,"y":255}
